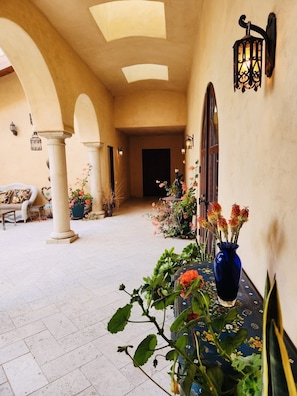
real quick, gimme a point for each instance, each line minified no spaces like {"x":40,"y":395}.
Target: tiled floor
{"x":56,"y":300}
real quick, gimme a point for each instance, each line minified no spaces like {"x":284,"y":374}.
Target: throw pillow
{"x":19,"y":196}
{"x":5,"y":196}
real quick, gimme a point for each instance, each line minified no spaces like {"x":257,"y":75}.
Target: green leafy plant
{"x":158,"y":295}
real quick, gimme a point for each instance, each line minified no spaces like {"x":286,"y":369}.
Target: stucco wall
{"x":257,"y":140}
{"x":149,"y":109}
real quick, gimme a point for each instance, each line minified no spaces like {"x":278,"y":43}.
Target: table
{"x":3,"y":213}
{"x":250,"y":310}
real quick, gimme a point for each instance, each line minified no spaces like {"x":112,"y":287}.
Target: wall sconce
{"x":189,"y":142}
{"x":120,"y":151}
{"x":12,"y":129}
{"x":247,"y":54}
{"x":35,"y":142}
{"x":183,"y":151}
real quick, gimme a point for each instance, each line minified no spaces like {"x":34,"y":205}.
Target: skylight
{"x":126,"y":18}
{"x":146,"y":71}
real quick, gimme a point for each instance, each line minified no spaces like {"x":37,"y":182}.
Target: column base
{"x":62,"y":237}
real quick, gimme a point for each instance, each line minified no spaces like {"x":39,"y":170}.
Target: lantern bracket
{"x":269,"y":36}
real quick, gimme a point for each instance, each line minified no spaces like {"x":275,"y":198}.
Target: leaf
{"x":220,"y":322}
{"x":145,"y":350}
{"x":188,"y":381}
{"x":180,"y":320}
{"x":200,"y":303}
{"x":230,"y":343}
{"x":282,"y":380}
{"x":165,"y":301}
{"x":120,"y":319}
{"x":216,"y":376}
{"x":171,"y":355}
{"x":181,"y":342}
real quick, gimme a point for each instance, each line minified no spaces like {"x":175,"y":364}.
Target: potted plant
{"x":173,"y":216}
{"x":108,"y":202}
{"x":80,"y":202}
{"x":190,"y":372}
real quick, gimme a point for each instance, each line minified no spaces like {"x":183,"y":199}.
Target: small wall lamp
{"x":247,"y":54}
{"x":183,"y":151}
{"x":12,"y":128}
{"x":35,"y":142}
{"x":189,"y":142}
{"x":120,"y":151}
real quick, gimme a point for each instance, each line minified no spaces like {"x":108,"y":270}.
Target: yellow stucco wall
{"x":257,"y":140}
{"x":140,"y":109}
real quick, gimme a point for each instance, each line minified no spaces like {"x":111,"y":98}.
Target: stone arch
{"x":33,"y":74}
{"x":40,"y":90}
{"x":87,"y":129}
{"x":85,"y":120}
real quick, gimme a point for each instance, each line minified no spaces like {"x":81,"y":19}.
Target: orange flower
{"x":223,"y":226}
{"x":81,"y":192}
{"x":174,"y":386}
{"x":212,"y":217}
{"x":186,"y":279}
{"x":202,"y":222}
{"x":87,"y":201}
{"x":235,"y":211}
{"x":244,"y":214}
{"x":216,"y":208}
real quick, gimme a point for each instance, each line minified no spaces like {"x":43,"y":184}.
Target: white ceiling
{"x":74,"y":21}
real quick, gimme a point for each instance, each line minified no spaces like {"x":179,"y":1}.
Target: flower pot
{"x":77,"y":211}
{"x":227,"y":271}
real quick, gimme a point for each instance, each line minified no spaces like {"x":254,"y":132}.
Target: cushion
{"x":19,"y":196}
{"x":5,"y":196}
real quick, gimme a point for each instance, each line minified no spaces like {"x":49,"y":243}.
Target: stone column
{"x":95,"y":178}
{"x":59,"y":187}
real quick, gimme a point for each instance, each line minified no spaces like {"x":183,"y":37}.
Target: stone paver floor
{"x":56,"y":300}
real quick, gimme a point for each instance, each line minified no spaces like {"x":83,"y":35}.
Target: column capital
{"x":55,"y":134}
{"x":93,"y":144}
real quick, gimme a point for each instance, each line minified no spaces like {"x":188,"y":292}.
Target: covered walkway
{"x":55,"y":302}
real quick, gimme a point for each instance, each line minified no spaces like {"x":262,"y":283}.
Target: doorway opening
{"x":155,"y":166}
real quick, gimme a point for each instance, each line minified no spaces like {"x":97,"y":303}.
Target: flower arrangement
{"x":156,"y":297}
{"x":217,"y":224}
{"x":78,"y":196}
{"x":173,"y":216}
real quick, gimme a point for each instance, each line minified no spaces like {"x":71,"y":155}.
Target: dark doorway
{"x":155,"y":166}
{"x":111,"y":168}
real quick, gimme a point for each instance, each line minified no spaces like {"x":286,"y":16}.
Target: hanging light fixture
{"x":248,"y":54}
{"x":189,"y":142}
{"x":12,"y":129}
{"x":35,"y":142}
{"x":120,"y":151}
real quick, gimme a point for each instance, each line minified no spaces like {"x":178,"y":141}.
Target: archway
{"x":42,"y":98}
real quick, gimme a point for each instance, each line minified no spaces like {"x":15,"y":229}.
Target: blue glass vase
{"x":227,"y":272}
